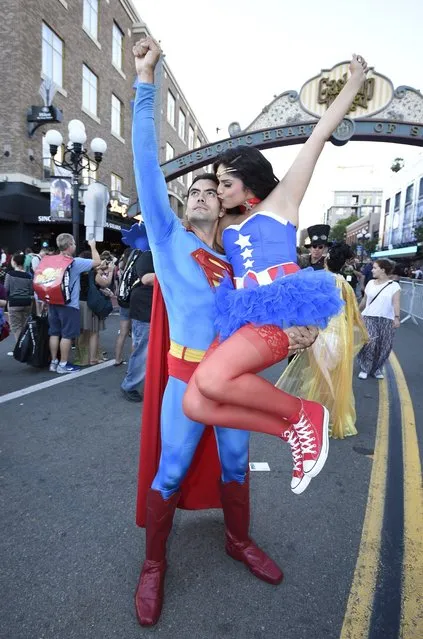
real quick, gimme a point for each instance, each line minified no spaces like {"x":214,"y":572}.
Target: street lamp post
{"x":363,"y":235}
{"x":75,"y":160}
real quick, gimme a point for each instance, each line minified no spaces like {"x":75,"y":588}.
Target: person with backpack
{"x":36,"y":259}
{"x":64,"y":319}
{"x":140,"y":304}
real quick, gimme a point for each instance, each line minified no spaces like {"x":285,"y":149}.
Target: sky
{"x":231,"y":57}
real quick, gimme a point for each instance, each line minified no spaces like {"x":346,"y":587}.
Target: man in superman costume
{"x":186,"y":464}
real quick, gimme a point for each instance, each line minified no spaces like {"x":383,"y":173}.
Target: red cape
{"x":200,"y":488}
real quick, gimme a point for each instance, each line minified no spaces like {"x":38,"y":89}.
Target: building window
{"x":117,"y":47}
{"x":117,"y":116}
{"x":182,"y":125}
{"x":199,"y":142}
{"x":341,"y":199}
{"x":190,"y":137}
{"x":170,"y":152}
{"x":116,"y":183}
{"x":409,"y":194}
{"x":90,"y":19}
{"x":421,"y":188}
{"x":89,"y":90}
{"x":171,"y":108}
{"x":181,"y":179}
{"x":354,"y":200}
{"x":397,"y":201}
{"x":52,"y":55}
{"x":387,"y":205}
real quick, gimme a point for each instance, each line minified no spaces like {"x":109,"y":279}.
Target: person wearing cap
{"x":318,"y":245}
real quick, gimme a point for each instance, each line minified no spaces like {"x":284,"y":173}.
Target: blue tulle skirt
{"x":306,"y":297}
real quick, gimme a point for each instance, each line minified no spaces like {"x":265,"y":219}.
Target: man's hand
{"x":301,"y":337}
{"x":91,"y":244}
{"x":147,"y":53}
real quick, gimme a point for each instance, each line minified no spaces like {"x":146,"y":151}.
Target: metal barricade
{"x":412,"y":300}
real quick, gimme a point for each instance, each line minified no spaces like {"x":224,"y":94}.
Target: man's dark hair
{"x":251,"y":167}
{"x":203,"y":176}
{"x":19,"y":259}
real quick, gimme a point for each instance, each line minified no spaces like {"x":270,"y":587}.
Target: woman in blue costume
{"x":270,"y":293}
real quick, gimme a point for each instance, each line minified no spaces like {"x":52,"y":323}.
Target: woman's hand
{"x":397,"y":322}
{"x":358,"y":66}
{"x":301,"y":337}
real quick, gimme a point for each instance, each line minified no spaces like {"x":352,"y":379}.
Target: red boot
{"x":149,"y":593}
{"x":236,"y":511}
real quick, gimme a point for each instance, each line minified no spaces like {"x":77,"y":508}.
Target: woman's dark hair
{"x":387,"y":265}
{"x":251,"y":167}
{"x":203,"y":176}
{"x":338,"y":254}
{"x":19,"y":259}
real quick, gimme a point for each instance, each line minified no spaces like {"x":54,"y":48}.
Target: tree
{"x":339,"y":231}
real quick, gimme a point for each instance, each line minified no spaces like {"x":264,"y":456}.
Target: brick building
{"x":85,"y":47}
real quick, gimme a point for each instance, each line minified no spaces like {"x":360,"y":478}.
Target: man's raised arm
{"x":151,"y":186}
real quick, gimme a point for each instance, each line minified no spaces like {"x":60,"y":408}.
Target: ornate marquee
{"x":379,"y":113}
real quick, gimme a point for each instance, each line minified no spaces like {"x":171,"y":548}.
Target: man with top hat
{"x":318,"y":245}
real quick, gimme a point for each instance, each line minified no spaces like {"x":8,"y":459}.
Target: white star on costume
{"x":247,"y":253}
{"x":248,"y":263}
{"x":243,"y":240}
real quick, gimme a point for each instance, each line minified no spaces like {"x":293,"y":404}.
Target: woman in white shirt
{"x":381,"y":315}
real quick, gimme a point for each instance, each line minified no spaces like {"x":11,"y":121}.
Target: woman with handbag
{"x":381,"y":315}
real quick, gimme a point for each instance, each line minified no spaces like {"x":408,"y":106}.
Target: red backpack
{"x":51,"y":279}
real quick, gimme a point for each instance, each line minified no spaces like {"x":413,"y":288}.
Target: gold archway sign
{"x":379,"y":113}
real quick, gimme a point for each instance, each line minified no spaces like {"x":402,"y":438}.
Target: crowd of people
{"x":77,"y":325}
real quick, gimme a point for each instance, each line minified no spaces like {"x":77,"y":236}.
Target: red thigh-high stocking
{"x":225,"y":389}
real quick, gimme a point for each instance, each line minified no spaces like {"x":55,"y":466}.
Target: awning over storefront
{"x":406,"y":251}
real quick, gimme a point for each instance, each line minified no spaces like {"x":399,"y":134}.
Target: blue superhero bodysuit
{"x":190,"y":304}
{"x":269,"y":286}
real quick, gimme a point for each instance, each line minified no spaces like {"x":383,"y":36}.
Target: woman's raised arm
{"x":286,"y":197}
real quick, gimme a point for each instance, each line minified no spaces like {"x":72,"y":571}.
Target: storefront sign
{"x":44,"y":114}
{"x":49,"y":219}
{"x":111,"y":225}
{"x":118,"y":204}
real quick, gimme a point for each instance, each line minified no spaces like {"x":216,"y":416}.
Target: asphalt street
{"x":71,"y":552}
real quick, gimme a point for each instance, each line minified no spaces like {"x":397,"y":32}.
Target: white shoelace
{"x":306,"y":435}
{"x":297,"y":455}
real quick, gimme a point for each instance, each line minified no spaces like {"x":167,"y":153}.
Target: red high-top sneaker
{"x":299,"y":480}
{"x":312,"y":428}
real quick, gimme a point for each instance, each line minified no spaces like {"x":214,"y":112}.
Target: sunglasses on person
{"x":319,"y":246}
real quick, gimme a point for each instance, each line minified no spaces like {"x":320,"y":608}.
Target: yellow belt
{"x":183,"y":352}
